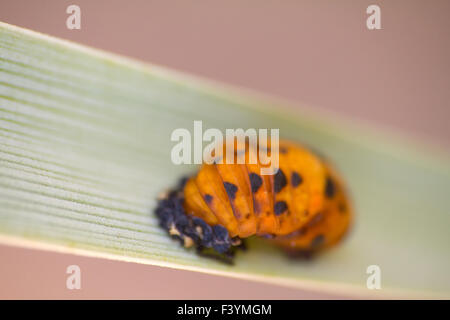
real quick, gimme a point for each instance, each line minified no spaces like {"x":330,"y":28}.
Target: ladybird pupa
{"x":302,"y":207}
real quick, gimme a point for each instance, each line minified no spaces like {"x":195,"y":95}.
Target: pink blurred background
{"x":315,"y":52}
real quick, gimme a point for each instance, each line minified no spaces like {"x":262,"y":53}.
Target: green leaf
{"x":85,"y":149}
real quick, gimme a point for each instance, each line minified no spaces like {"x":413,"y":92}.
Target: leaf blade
{"x":85,"y":149}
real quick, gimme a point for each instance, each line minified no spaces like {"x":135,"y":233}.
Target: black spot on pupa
{"x":283,"y":150}
{"x":279,"y":181}
{"x":280,"y":207}
{"x":296,"y":179}
{"x":208,"y":198}
{"x":255,"y":181}
{"x":330,"y":188}
{"x":247,"y":216}
{"x":317,"y":241}
{"x":231,"y":189}
{"x":342,"y":208}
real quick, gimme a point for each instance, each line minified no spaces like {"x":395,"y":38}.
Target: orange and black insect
{"x":303,"y":207}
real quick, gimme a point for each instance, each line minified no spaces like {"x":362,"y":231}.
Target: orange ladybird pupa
{"x":303,"y":207}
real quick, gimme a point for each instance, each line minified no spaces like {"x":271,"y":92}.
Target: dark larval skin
{"x":193,"y":230}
